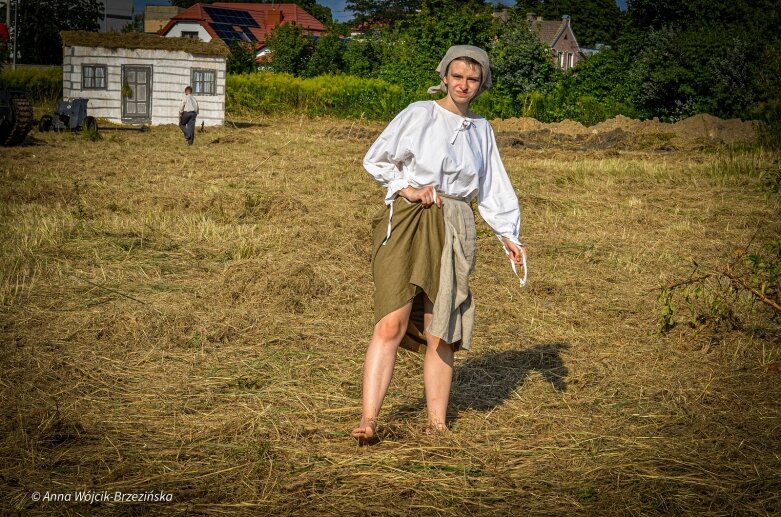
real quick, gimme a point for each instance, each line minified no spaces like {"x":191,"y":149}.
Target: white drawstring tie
{"x":515,"y":267}
{"x":465,"y":124}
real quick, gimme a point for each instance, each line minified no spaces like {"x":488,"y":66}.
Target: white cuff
{"x":512,"y":238}
{"x":393,"y":189}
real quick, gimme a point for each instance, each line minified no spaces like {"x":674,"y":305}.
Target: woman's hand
{"x":517,"y":254}
{"x":426,"y":196}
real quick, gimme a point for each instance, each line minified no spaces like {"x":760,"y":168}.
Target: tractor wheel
{"x":45,"y":124}
{"x":23,"y":120}
{"x":91,"y":125}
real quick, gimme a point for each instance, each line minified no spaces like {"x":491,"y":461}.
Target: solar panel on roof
{"x":231,"y":16}
{"x":227,"y":33}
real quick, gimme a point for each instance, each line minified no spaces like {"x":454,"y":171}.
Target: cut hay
{"x":193,"y":321}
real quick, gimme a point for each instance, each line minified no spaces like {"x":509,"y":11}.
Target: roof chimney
{"x":530,"y":17}
{"x":565,"y":19}
{"x":273,"y":17}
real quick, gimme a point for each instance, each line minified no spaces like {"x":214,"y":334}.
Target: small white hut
{"x":140,"y":78}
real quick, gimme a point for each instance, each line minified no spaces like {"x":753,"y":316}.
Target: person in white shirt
{"x":433,"y":158}
{"x":188,"y":112}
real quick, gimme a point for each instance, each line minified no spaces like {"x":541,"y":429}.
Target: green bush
{"x":337,"y":95}
{"x":44,"y":85}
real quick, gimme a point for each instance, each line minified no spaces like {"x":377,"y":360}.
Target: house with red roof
{"x":249,"y":23}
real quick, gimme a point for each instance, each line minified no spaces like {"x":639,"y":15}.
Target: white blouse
{"x":428,"y":145}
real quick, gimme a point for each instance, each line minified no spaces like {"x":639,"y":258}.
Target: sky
{"x":337,"y":7}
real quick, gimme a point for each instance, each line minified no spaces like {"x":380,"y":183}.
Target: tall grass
{"x":337,"y":95}
{"x":44,"y":85}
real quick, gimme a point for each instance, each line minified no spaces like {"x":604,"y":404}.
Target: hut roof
{"x":143,"y":41}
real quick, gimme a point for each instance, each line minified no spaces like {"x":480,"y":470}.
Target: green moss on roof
{"x":145,"y":41}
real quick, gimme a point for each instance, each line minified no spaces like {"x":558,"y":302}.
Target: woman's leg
{"x":437,"y":374}
{"x":378,"y":367}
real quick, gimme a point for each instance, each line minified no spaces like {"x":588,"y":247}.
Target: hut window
{"x":203,"y":81}
{"x":190,"y":34}
{"x":93,"y":77}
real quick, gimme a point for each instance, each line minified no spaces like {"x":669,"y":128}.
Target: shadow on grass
{"x":485,"y":382}
{"x":31,"y":141}
{"x":243,"y":124}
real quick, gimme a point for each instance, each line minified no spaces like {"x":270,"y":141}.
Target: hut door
{"x":137,"y":93}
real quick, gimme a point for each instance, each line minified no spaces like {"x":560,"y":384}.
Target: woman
{"x":433,"y":158}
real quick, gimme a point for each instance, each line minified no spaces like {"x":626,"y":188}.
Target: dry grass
{"x":193,"y":320}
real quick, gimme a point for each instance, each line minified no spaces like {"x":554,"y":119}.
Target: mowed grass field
{"x":193,"y":321}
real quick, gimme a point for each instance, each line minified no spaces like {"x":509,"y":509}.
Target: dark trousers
{"x":187,"y":125}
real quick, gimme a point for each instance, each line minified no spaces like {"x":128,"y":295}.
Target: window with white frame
{"x":204,"y":81}
{"x":94,"y":77}
{"x":190,"y":34}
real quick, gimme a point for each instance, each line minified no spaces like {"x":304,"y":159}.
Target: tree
{"x":320,"y":12}
{"x":750,"y":15}
{"x":382,"y":12}
{"x":362,"y":55}
{"x":593,"y":21}
{"x":697,"y":56}
{"x":521,"y":65}
{"x":241,"y":58}
{"x":137,"y":25}
{"x":409,"y":52}
{"x":290,"y":48}
{"x":40,"y":23}
{"x":327,"y":57}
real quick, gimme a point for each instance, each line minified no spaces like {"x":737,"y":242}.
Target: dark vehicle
{"x":69,"y":114}
{"x":16,"y":116}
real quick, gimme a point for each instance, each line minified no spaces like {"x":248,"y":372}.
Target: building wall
{"x":171,"y":73}
{"x":567,"y":50}
{"x":156,"y":16}
{"x":179,"y":27}
{"x":116,"y":14}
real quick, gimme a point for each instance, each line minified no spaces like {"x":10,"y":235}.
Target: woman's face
{"x":462,"y":81}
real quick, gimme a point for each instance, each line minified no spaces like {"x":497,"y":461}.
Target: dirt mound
{"x":716,"y":130}
{"x":568,"y":127}
{"x":624,"y":132}
{"x":618,"y":122}
{"x":518,"y":124}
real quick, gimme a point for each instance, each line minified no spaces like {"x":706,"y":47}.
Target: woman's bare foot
{"x":366,"y":432}
{"x":434,"y":429}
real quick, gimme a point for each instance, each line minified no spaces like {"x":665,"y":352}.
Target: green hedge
{"x":44,"y":85}
{"x":348,"y":96}
{"x":337,"y":95}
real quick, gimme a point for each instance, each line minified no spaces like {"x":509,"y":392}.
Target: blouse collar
{"x":462,"y":124}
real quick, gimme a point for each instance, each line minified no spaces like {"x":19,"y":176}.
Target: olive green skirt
{"x":408,"y":265}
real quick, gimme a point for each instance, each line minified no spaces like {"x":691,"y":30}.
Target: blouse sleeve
{"x":386,"y":155}
{"x":496,"y":199}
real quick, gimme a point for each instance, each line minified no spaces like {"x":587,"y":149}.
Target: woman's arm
{"x":496,"y":198}
{"x":385,"y":157}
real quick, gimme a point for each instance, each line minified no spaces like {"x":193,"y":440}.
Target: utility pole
{"x":16,"y":29}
